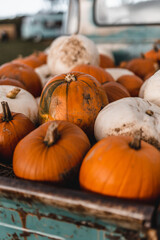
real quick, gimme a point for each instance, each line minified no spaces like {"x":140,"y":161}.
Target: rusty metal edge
{"x":119,"y":211}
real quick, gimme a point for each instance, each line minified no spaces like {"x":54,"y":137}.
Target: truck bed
{"x":33,"y":210}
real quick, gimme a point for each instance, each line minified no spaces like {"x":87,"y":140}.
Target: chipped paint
{"x":41,"y":210}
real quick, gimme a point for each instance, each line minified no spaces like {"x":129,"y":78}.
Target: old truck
{"x":35,"y":210}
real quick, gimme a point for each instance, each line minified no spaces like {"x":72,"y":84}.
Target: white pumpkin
{"x":20,"y":101}
{"x":126,"y":117}
{"x":66,"y":52}
{"x":44,"y":74}
{"x":118,"y":72}
{"x":141,"y":90}
{"x":150,"y":90}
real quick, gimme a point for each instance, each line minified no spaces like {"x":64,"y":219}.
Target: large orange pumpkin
{"x":120,"y":167}
{"x":23,"y":73}
{"x":52,"y":152}
{"x":75,"y":97}
{"x":99,"y":73}
{"x":132,"y":83}
{"x":115,"y":91}
{"x":13,"y":127}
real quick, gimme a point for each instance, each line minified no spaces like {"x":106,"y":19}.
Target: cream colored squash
{"x":128,"y":116}
{"x":141,"y":90}
{"x":118,"y":72}
{"x":20,"y":101}
{"x":44,"y":74}
{"x":66,"y":52}
{"x":150,"y":90}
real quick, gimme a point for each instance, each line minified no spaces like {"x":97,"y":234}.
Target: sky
{"x":10,"y":8}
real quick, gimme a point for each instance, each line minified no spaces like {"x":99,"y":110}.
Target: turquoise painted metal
{"x":129,"y":43}
{"x":40,"y":211}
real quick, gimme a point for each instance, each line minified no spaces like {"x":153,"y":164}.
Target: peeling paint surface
{"x":40,"y":211}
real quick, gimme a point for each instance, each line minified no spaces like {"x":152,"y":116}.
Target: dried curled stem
{"x":52,"y":134}
{"x":13,"y":93}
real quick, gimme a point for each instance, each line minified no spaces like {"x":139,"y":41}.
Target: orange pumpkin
{"x":23,"y":73}
{"x":120,"y":167}
{"x":132,"y":83}
{"x":75,"y":97}
{"x":13,"y":127}
{"x":99,"y":73}
{"x":153,"y":54}
{"x":106,"y":61}
{"x":142,"y":67}
{"x":41,"y":56}
{"x":52,"y":152}
{"x":34,"y":60}
{"x":115,"y":91}
{"x":122,"y":64}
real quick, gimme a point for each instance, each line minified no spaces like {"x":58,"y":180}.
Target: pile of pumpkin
{"x":69,"y":113}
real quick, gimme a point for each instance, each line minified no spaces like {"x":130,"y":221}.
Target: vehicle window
{"x":34,"y":22}
{"x":127,"y":12}
{"x":53,"y":24}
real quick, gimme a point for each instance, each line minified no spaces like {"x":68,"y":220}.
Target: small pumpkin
{"x":126,"y":116}
{"x":34,"y":60}
{"x":52,"y":152}
{"x":142,"y":67}
{"x":13,"y":127}
{"x":106,"y":61}
{"x":132,"y":83}
{"x":23,"y":73}
{"x":76,"y":97}
{"x":41,"y":56}
{"x":115,"y":91}
{"x":123,"y":167}
{"x":153,"y":54}
{"x":67,"y":52}
{"x":20,"y":101}
{"x":100,"y":74}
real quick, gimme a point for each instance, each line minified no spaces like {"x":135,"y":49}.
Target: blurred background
{"x":29,"y":25}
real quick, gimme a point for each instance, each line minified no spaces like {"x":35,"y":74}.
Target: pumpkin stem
{"x":70,"y":77}
{"x":7,"y":116}
{"x":136,"y":142}
{"x":155,"y":48}
{"x":52,"y":134}
{"x":142,"y":55}
{"x":13,"y":93}
{"x":149,"y":112}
